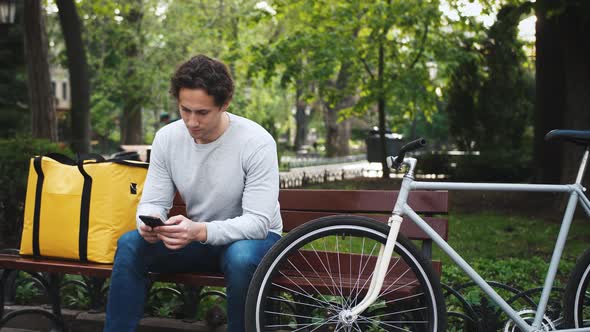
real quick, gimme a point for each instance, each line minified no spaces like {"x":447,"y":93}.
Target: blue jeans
{"x":135,"y":257}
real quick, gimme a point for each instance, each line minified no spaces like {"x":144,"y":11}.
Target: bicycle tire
{"x":417,"y":306}
{"x":576,"y":299}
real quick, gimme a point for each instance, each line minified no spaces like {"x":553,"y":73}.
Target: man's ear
{"x":224,"y":106}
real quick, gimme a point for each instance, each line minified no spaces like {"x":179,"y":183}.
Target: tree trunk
{"x":79,"y":80}
{"x":301,"y":124}
{"x":302,"y":117}
{"x":331,"y":124}
{"x":563,"y":82}
{"x":131,"y":132}
{"x":43,"y":118}
{"x":550,"y":94}
{"x":576,"y":64}
{"x":381,"y":108}
{"x":343,"y":148}
{"x":338,"y":134}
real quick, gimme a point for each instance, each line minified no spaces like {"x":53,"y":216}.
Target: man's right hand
{"x":148,"y":233}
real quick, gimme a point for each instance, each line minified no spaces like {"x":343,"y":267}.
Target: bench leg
{"x":95,"y":286}
{"x":54,"y":297}
{"x":3,"y":283}
{"x":190,"y":300}
{"x":10,"y":287}
{"x":427,"y":249}
{"x":53,"y":293}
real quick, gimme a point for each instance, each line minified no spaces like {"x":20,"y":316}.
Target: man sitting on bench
{"x":225,"y":169}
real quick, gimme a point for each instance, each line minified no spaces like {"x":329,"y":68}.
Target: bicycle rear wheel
{"x":576,"y":301}
{"x":318,"y":271}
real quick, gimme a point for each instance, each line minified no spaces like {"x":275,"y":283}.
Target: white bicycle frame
{"x":576,"y":194}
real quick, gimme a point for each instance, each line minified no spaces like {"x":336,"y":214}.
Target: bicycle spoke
{"x":357,"y":282}
{"x":350,"y":266}
{"x":389,"y":325}
{"x":309,"y":282}
{"x":397,"y":312}
{"x":304,"y":326}
{"x":361,"y":273}
{"x":339,"y":273}
{"x":324,"y":266}
{"x":316,"y":273}
{"x":385,"y":292}
{"x":330,"y":271}
{"x":296,"y":292}
{"x":403,"y":298}
{"x":323,"y":323}
{"x":295,"y":302}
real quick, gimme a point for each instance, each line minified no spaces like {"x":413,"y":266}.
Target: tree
{"x":404,"y":46}
{"x":490,"y":86}
{"x":322,"y":76}
{"x":563,"y":82}
{"x":131,"y":129}
{"x":41,"y":99}
{"x":503,"y":96}
{"x":79,"y":81}
{"x":14,"y":114}
{"x":465,"y":82}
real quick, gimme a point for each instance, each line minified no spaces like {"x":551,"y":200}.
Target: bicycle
{"x":367,"y":303}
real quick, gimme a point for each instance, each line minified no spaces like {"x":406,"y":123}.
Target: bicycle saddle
{"x":581,"y":137}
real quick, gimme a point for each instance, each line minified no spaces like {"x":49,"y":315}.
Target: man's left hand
{"x":180,"y":231}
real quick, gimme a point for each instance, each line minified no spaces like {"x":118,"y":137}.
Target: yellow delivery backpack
{"x":79,"y":209}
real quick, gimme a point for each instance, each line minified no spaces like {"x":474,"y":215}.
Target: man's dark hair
{"x":202,"y":72}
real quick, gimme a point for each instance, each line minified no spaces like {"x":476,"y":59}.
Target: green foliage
{"x":15,"y":155}
{"x":497,"y":165}
{"x":27,"y":290}
{"x":73,"y":293}
{"x":490,"y":103}
{"x":348,"y":67}
{"x":14,"y":113}
{"x":522,"y":273}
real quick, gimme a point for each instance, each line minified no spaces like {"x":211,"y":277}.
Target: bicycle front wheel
{"x":577,"y":294}
{"x":314,"y":275}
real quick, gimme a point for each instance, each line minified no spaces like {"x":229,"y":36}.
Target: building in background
{"x":60,"y":85}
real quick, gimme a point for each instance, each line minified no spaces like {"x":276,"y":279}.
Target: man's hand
{"x":180,"y":231}
{"x":149,"y":234}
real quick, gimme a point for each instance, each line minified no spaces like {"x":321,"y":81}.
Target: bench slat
{"x":22,"y":263}
{"x":292,"y":219}
{"x":359,"y":201}
{"x":352,"y":201}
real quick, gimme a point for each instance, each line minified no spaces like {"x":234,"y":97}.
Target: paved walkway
{"x":83,"y":321}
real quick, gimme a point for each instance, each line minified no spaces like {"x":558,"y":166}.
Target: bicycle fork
{"x":385,"y":253}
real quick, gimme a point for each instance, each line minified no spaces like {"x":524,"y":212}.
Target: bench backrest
{"x":301,"y":205}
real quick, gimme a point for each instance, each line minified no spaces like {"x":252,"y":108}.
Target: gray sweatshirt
{"x":232,"y":183}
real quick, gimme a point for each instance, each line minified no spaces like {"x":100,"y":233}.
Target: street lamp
{"x":7,"y":11}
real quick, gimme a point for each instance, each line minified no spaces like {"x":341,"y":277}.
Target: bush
{"x":522,"y":273}
{"x":15,"y":155}
{"x":434,"y":163}
{"x":497,"y":166}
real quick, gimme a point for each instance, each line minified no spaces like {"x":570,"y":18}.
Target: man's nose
{"x":193,"y":120}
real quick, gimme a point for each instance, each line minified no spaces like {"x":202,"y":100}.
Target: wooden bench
{"x":297,"y":207}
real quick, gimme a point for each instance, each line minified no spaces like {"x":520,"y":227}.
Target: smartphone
{"x":152,"y":221}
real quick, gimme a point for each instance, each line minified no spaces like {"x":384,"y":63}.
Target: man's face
{"x":201,"y":116}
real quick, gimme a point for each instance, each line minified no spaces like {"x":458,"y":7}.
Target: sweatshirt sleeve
{"x":158,"y":191}
{"x":259,"y":200}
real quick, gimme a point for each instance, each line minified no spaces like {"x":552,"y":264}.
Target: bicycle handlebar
{"x":395,"y":162}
